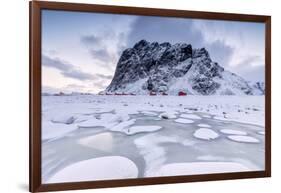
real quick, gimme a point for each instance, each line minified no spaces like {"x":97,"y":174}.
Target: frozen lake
{"x":160,"y":135}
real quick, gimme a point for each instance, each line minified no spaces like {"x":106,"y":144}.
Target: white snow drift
{"x":190,"y":116}
{"x":181,"y":120}
{"x":191,"y":168}
{"x":142,"y":129}
{"x":242,"y":138}
{"x":204,"y":125}
{"x":206,"y":134}
{"x":116,"y":167}
{"x":233,"y":132}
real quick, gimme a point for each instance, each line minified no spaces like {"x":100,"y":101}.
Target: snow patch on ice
{"x":242,"y":138}
{"x":122,"y":127}
{"x":206,"y":134}
{"x":65,"y":119}
{"x":190,"y":116}
{"x":149,"y":113}
{"x":56,"y":130}
{"x":106,"y":120}
{"x":261,"y":132}
{"x":102,"y":141}
{"x":168,"y":115}
{"x":154,"y":154}
{"x":233,"y":132}
{"x":204,"y":125}
{"x":81,"y":118}
{"x":192,"y":168}
{"x":210,"y":158}
{"x":116,"y":167}
{"x":142,"y":129}
{"x":188,"y":142}
{"x":181,"y":120}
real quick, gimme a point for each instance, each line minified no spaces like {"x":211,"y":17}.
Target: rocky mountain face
{"x":170,"y":69}
{"x":258,"y":88}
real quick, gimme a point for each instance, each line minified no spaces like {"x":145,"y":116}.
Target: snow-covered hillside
{"x":170,"y":69}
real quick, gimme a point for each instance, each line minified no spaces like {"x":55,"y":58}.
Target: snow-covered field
{"x":114,"y":137}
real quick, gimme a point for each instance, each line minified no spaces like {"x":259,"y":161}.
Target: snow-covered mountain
{"x":258,"y":88}
{"x":170,"y":69}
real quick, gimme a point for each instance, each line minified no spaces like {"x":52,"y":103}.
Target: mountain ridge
{"x":165,"y":68}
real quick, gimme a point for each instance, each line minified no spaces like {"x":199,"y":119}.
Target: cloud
{"x":102,"y":76}
{"x":75,"y":86}
{"x":101,"y":84}
{"x":177,"y":30}
{"x":220,"y":52}
{"x":252,"y":60}
{"x":98,"y":50}
{"x":90,"y":40}
{"x":105,"y":48}
{"x":253,"y":73}
{"x":227,"y":42}
{"x":95,"y":80}
{"x":251,"y":68}
{"x":76,"y":74}
{"x":50,"y":90}
{"x":101,"y":54}
{"x":66,"y":69}
{"x":173,"y":30}
{"x":55,"y":63}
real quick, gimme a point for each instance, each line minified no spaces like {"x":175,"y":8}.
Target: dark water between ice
{"x":62,"y":152}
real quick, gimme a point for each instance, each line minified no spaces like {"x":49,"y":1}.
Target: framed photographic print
{"x":123,"y":96}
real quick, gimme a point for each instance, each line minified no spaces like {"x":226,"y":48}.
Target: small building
{"x":181,"y":93}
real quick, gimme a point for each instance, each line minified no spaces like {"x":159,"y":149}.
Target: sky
{"x":80,"y":50}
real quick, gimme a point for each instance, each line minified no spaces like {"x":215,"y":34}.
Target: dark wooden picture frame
{"x":35,"y":94}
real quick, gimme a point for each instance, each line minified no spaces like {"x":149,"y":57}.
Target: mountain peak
{"x":140,"y":44}
{"x":164,"y":68}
